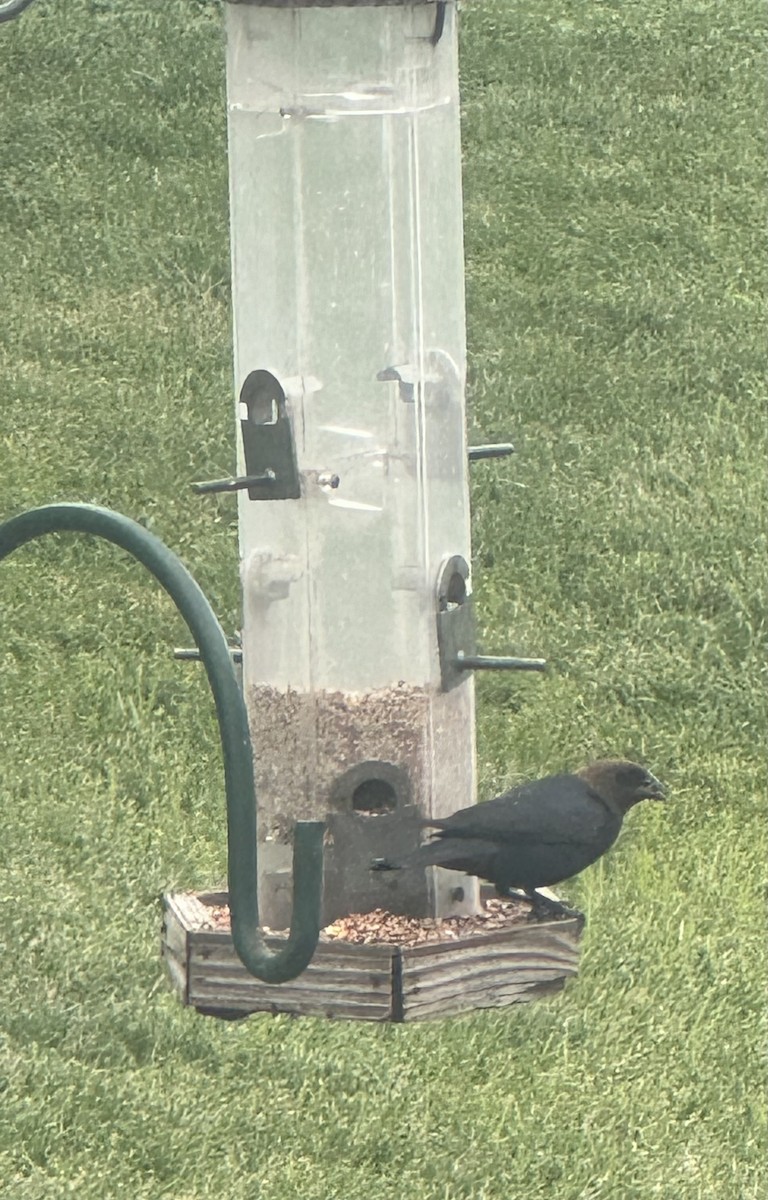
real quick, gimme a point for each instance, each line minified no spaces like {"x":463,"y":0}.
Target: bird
{"x":538,"y":833}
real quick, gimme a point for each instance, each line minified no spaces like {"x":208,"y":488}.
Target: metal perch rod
{"x":173,"y":576}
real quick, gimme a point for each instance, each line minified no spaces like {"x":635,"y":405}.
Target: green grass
{"x":614,"y":186}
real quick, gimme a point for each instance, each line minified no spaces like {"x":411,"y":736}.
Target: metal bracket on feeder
{"x":268,"y":442}
{"x":268,"y":445}
{"x":456,"y":632}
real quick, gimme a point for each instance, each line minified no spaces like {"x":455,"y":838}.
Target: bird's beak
{"x":653,"y":790}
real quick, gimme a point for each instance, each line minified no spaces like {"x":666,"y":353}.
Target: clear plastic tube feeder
{"x":348,"y":294}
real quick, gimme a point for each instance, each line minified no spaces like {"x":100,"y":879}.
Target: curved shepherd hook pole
{"x":271,"y":966}
{"x":12,"y":8}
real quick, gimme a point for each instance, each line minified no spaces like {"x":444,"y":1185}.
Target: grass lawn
{"x":614,"y":186}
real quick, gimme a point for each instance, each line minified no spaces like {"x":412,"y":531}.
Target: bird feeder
{"x":349,"y":361}
{"x":358,"y":636}
{"x":348,"y":293}
{"x":358,"y":641}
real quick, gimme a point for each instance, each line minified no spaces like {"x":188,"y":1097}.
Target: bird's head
{"x":621,"y":784}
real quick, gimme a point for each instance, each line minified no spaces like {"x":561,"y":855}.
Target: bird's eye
{"x":635,"y":777}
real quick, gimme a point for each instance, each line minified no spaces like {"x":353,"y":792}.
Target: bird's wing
{"x":560,"y":808}
{"x":476,"y":856}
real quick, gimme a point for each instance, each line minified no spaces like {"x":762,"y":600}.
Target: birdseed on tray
{"x":384,"y":928}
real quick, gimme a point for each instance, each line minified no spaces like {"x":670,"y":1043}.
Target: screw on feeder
{"x":327,"y":480}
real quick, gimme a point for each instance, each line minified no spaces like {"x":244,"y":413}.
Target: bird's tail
{"x":428,"y":854}
{"x":420,"y":857}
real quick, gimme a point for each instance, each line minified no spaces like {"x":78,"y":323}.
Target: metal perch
{"x":270,"y":966}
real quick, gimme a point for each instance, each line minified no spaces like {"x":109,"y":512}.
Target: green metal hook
{"x":12,"y":8}
{"x":271,"y":966}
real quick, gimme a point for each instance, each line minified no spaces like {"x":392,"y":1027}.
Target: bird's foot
{"x":541,"y":906}
{"x":544,"y":906}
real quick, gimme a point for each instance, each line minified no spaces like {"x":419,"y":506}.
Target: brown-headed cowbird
{"x":539,"y":833}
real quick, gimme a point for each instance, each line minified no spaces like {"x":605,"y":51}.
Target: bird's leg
{"x":508,"y":893}
{"x":541,"y":906}
{"x":544,"y":906}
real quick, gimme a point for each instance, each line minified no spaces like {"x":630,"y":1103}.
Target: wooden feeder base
{"x":377,"y":982}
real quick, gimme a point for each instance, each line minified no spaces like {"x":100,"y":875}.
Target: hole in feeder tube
{"x":372,"y":788}
{"x":262,"y":398}
{"x":373,"y":797}
{"x":456,"y":592}
{"x":263,"y":411}
{"x":452,"y":583}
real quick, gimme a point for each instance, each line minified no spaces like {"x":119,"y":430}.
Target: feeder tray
{"x":416,"y":969}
